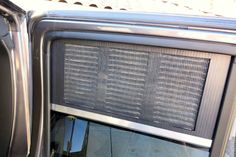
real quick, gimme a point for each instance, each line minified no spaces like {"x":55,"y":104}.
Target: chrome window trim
{"x":185,"y":138}
{"x":222,"y":24}
{"x":227,"y":115}
{"x":182,"y":33}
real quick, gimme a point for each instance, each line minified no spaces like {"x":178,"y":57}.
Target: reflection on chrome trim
{"x":134,"y":126}
{"x":193,"y":34}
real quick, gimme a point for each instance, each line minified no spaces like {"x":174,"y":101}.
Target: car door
{"x":16,"y":82}
{"x":121,"y":83}
{"x":165,"y":76}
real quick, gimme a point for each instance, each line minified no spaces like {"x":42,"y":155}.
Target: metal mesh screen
{"x":126,"y":74}
{"x":81,"y":71}
{"x":178,"y":90}
{"x":148,"y":86}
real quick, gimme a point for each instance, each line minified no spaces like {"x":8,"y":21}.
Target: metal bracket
{"x":5,"y":36}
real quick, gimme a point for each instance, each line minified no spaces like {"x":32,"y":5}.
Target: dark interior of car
{"x":5,"y":101}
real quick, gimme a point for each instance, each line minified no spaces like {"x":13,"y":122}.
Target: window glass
{"x":75,"y":137}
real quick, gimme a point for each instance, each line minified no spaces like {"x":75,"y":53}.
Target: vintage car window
{"x":75,"y":137}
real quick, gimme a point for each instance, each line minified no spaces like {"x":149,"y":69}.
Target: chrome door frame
{"x":20,"y":65}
